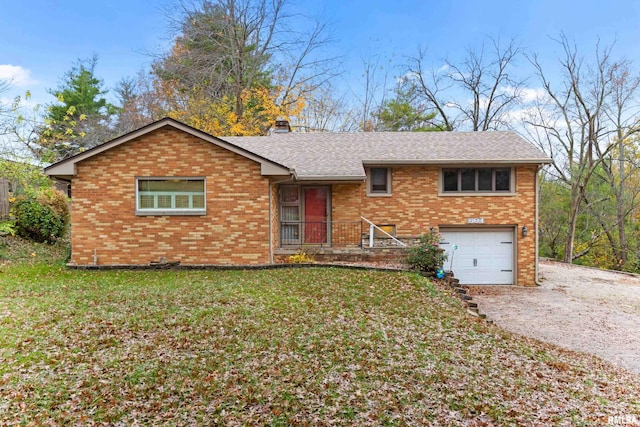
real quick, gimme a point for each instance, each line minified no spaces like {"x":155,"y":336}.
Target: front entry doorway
{"x":304,"y":215}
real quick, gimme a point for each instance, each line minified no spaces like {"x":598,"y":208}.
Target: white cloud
{"x":527,"y":94}
{"x":443,"y":69}
{"x":16,"y":74}
{"x":533,"y":94}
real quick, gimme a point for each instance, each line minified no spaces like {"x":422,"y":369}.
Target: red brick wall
{"x":235,"y":229}
{"x":415,"y":206}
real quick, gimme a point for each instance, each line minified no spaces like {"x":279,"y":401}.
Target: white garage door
{"x":481,"y":257}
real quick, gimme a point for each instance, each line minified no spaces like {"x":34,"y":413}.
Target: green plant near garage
{"x":426,"y":256}
{"x":41,"y":215}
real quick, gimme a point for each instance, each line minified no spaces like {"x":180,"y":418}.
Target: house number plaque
{"x":475,"y":220}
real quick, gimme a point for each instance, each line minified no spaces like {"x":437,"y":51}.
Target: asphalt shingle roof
{"x":343,"y":155}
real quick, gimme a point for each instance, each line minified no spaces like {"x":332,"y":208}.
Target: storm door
{"x":304,"y":215}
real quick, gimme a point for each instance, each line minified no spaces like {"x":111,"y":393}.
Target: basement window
{"x":170,"y":196}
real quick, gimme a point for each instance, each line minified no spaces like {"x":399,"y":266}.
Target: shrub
{"x":7,"y":228}
{"x":42,"y":215}
{"x":426,"y":256}
{"x":300,"y":258}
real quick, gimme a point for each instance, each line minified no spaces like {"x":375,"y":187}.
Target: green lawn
{"x":314,"y":346}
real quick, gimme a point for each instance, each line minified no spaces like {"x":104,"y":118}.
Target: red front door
{"x":315,"y":215}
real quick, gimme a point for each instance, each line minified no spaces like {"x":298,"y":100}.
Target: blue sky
{"x":41,"y":39}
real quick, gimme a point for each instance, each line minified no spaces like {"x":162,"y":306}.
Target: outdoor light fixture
{"x":525,"y":231}
{"x":432,"y":229}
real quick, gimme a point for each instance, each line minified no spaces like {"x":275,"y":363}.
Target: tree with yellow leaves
{"x":234,"y":68}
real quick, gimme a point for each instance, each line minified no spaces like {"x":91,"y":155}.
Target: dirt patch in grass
{"x":15,"y":249}
{"x":315,"y":346}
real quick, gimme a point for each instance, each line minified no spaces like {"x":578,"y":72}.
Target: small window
{"x":477,"y":180}
{"x":379,"y":182}
{"x":170,"y":196}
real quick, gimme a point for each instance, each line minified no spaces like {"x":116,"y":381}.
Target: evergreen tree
{"x":80,"y":119}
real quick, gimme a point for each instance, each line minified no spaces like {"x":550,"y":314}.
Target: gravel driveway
{"x":578,"y":308}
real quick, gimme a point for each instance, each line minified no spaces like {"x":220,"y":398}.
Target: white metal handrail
{"x":372,"y":226}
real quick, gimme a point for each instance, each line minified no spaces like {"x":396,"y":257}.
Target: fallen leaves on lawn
{"x":282,"y":347}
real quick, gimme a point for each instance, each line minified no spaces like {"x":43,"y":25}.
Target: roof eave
{"x":456,"y":162}
{"x":67,"y":167}
{"x":335,"y":178}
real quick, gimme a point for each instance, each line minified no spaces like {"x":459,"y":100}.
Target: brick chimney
{"x":282,"y":126}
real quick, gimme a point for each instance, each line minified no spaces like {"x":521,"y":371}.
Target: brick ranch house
{"x":170,"y":192}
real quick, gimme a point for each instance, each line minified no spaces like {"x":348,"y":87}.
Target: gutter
{"x":330,"y":178}
{"x":409,"y":162}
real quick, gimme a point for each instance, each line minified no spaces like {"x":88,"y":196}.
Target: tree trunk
{"x":576,"y":200}
{"x":620,"y":214}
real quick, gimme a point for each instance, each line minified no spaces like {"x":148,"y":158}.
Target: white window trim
{"x":512,"y":183}
{"x":389,"y":191}
{"x":171,"y":211}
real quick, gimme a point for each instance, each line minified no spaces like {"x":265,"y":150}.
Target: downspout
{"x":271,"y":214}
{"x":537,"y":228}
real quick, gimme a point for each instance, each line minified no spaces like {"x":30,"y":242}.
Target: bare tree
{"x":225,"y":47}
{"x":5,"y":115}
{"x":432,"y":86}
{"x":4,"y":87}
{"x":619,"y":169}
{"x":375,"y":74}
{"x":578,"y":123}
{"x":139,"y":102}
{"x":303,"y":68}
{"x":484,"y":77}
{"x":326,"y":111}
{"x":21,"y":126}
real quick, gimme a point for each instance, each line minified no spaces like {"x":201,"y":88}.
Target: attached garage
{"x":481,"y":256}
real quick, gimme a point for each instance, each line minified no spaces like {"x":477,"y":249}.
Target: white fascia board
{"x":270,"y":169}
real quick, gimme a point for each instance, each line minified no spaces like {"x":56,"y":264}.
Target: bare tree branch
{"x":483,"y":76}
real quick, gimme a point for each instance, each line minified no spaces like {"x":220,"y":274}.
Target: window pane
{"x":290,"y":213}
{"x":450,"y":178}
{"x":503,"y":180}
{"x":171,"y":185}
{"x":289,"y":194}
{"x":290,"y":233}
{"x":468,"y":179}
{"x":198,"y":201}
{"x":484,"y":179}
{"x":171,"y":194}
{"x":182,"y":201}
{"x":146,"y":202}
{"x":164,"y":201}
{"x":378,"y":180}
